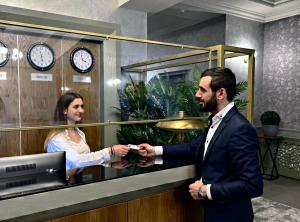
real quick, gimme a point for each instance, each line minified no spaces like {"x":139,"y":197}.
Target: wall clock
{"x":41,"y":56}
{"x":4,"y":54}
{"x":82,"y":60}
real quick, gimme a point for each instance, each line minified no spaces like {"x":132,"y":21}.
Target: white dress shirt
{"x":216,"y":120}
{"x":77,"y":154}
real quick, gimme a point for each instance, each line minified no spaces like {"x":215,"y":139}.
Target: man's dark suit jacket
{"x":230,"y":165}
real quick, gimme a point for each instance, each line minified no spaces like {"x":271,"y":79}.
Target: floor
{"x":283,"y":190}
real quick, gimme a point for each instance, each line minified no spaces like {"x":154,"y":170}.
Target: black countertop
{"x":130,"y":165}
{"x":97,"y":186}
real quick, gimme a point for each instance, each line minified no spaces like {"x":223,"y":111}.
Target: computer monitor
{"x":26,"y":174}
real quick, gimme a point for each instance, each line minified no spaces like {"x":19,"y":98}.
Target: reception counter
{"x":124,"y":190}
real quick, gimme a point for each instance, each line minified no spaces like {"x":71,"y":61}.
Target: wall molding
{"x":282,"y":16}
{"x":289,"y":133}
{"x":56,"y":20}
{"x":284,"y":132}
{"x":241,"y":12}
{"x":230,"y":10}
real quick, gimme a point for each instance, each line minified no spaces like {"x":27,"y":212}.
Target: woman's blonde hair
{"x":50,"y":135}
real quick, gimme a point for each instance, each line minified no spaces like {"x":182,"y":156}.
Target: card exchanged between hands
{"x":133,"y":148}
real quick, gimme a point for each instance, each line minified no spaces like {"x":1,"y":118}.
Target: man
{"x":228,"y":170}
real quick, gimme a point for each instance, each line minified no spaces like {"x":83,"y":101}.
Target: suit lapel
{"x":200,"y":149}
{"x":221,"y":127}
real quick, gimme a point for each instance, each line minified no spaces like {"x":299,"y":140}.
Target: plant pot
{"x":270,"y":130}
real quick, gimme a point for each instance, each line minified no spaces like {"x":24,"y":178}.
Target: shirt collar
{"x":222,"y":113}
{"x":81,"y":134}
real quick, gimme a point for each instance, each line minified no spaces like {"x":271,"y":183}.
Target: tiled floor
{"x":283,"y":190}
{"x":266,"y":210}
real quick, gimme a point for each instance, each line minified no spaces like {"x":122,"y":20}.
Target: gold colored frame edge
{"x":193,"y":61}
{"x":220,"y":62}
{"x":108,"y":123}
{"x":221,"y":57}
{"x":251,"y":75}
{"x":95,"y":34}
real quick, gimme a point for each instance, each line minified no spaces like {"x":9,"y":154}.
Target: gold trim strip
{"x":108,"y":123}
{"x":210,"y":59}
{"x":221,"y":56}
{"x":250,"y":88}
{"x":166,"y":58}
{"x":238,"y":49}
{"x":189,"y":62}
{"x":233,"y":55}
{"x":105,"y":36}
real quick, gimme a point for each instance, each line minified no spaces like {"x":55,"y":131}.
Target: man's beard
{"x":210,"y":105}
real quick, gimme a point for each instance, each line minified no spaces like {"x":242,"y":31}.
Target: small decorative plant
{"x":270,"y":123}
{"x":270,"y":118}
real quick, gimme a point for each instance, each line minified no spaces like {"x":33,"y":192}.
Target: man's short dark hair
{"x":222,"y":78}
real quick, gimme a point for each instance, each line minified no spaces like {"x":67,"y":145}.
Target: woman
{"x":69,"y":109}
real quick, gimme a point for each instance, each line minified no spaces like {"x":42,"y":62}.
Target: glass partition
{"x":128,"y":86}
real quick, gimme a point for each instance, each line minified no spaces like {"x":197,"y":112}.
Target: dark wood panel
{"x":175,"y":206}
{"x":38,"y":98}
{"x":33,"y":141}
{"x":117,"y":212}
{"x":9,"y":103}
{"x":89,"y":91}
{"x":9,"y":144}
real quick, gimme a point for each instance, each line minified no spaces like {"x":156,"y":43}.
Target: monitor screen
{"x":26,"y":174}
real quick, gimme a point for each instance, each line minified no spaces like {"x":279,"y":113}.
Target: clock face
{"x":4,"y":54}
{"x":41,"y":56}
{"x":82,"y":60}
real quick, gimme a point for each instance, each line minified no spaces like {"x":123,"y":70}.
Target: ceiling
{"x":257,"y":10}
{"x":175,"y":18}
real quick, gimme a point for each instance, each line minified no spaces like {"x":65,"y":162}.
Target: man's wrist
{"x":200,"y":192}
{"x":208,"y":193}
{"x":158,"y":150}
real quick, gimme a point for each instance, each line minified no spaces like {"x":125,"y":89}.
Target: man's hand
{"x":146,"y":162}
{"x":194,"y":190}
{"x":146,"y":150}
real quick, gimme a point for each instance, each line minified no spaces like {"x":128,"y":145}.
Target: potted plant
{"x":270,"y":123}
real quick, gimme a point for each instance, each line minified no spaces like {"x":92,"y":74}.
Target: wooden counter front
{"x":154,"y":196}
{"x":175,"y":206}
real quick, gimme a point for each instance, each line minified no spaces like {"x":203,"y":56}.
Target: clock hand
{"x":83,"y":59}
{"x":41,"y":56}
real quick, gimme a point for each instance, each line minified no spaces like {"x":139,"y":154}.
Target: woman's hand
{"x":119,"y":150}
{"x":120,"y":164}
